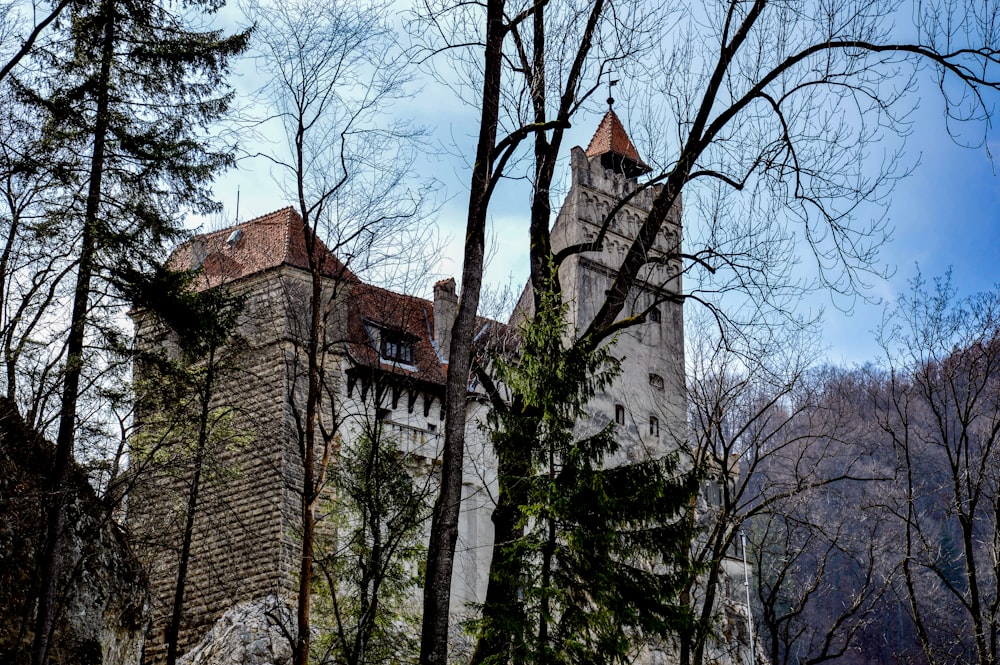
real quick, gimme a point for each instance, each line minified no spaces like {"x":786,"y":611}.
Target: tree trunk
{"x":173,"y":628}
{"x":444,"y":523}
{"x":50,"y":558}
{"x":502,"y":605}
{"x":310,"y":490}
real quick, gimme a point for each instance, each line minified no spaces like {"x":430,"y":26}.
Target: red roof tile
{"x":611,"y":138}
{"x":278,"y":239}
{"x":275,"y":239}
{"x":383,"y":310}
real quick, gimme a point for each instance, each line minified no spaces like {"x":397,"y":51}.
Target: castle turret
{"x":647,"y":399}
{"x":614,"y":150}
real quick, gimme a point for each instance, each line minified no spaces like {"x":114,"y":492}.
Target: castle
{"x":385,"y":361}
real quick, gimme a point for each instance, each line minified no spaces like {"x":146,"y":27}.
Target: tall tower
{"x":647,"y":399}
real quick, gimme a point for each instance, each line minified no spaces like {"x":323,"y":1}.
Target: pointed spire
{"x":612,"y":144}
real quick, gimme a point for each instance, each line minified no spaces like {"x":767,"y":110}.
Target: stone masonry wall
{"x":239,"y":548}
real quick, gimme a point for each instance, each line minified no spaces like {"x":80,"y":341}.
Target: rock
{"x":256,"y":632}
{"x":102,"y":591}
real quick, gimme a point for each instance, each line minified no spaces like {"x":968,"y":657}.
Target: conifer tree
{"x":595,"y":563}
{"x":129,"y":87}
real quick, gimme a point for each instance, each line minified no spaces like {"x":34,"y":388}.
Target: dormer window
{"x":397,"y":347}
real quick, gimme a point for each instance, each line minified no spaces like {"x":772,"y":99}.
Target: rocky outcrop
{"x":103,"y":596}
{"x":252,"y":633}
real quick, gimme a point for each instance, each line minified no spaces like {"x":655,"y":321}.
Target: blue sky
{"x":946,"y":214}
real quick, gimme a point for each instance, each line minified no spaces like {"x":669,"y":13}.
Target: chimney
{"x":445,"y":311}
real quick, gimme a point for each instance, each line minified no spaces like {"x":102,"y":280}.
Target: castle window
{"x":619,"y":414}
{"x":397,"y":347}
{"x":656,"y":381}
{"x":712,"y":490}
{"x":654,"y":315}
{"x":654,"y":426}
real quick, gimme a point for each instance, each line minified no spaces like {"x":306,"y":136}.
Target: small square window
{"x":654,"y":315}
{"x":619,"y":414}
{"x":656,"y":381}
{"x":396,"y":347}
{"x":654,"y":426}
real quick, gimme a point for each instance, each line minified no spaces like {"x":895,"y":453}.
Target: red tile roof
{"x":611,"y":138}
{"x":394,"y":312}
{"x":278,"y":239}
{"x":270,"y":241}
{"x":384,"y":310}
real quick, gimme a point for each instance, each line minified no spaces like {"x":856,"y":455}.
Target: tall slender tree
{"x":941,"y":411}
{"x":129,"y":87}
{"x":194,"y":430}
{"x":335,"y":70}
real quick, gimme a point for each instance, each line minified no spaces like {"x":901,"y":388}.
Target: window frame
{"x":397,"y":346}
{"x":619,"y":414}
{"x":656,"y":381}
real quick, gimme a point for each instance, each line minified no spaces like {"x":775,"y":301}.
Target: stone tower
{"x":244,"y":532}
{"x":384,"y":363}
{"x":605,"y":196}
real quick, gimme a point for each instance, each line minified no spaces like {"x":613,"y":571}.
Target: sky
{"x":944,"y":216}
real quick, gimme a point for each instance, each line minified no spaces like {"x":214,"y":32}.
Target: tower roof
{"x":612,"y":144}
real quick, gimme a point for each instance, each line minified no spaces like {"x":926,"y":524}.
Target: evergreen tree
{"x":128,"y":87}
{"x":595,"y":570}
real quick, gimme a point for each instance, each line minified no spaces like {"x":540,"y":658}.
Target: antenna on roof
{"x":237,"y":220}
{"x":612,"y":82}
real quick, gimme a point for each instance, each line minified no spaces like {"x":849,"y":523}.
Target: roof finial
{"x":612,"y":82}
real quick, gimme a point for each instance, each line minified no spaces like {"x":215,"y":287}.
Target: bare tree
{"x":770,"y":113}
{"x":28,"y":30}
{"x":784,"y":450}
{"x":522,"y":99}
{"x":335,"y":69}
{"x":36,"y":258}
{"x":823,"y":557}
{"x":942,"y":414}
